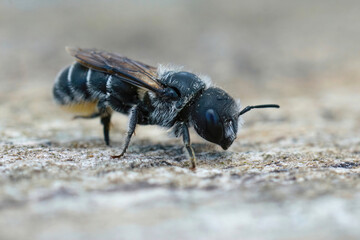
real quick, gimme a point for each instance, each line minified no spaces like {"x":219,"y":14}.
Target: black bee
{"x":100,"y":83}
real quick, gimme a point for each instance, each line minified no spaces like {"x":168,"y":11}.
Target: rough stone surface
{"x":293,"y":173}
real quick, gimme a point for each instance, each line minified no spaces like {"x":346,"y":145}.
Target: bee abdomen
{"x":96,"y":83}
{"x":71,"y":85}
{"x":78,"y":85}
{"x":61,"y":91}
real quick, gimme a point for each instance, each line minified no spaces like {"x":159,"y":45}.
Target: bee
{"x":100,"y":83}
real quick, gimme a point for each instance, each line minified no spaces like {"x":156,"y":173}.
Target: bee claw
{"x":193,"y":169}
{"x":116,"y":157}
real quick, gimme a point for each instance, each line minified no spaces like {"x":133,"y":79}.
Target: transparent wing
{"x":128,"y":70}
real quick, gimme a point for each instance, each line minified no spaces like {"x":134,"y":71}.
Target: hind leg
{"x":94,"y":115}
{"x":105,"y":121}
{"x":105,"y":117}
{"x":104,"y":113}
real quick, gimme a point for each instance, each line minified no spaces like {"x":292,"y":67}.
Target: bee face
{"x":215,"y":117}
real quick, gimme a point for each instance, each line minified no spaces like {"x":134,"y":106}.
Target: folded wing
{"x":133,"y":72}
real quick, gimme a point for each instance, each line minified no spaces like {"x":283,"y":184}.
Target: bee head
{"x":215,"y":117}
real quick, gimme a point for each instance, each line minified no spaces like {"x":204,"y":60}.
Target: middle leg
{"x":133,"y":119}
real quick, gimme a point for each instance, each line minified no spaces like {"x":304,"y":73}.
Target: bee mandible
{"x":100,"y":83}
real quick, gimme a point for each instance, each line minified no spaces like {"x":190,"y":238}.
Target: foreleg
{"x":186,"y":139}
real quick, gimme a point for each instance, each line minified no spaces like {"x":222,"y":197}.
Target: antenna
{"x":248,"y":108}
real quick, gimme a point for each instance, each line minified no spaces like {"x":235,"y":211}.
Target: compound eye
{"x":213,"y":125}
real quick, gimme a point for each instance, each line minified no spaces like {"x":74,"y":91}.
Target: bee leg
{"x":186,"y":139}
{"x":105,"y":121}
{"x":94,"y":115}
{"x":132,"y":125}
